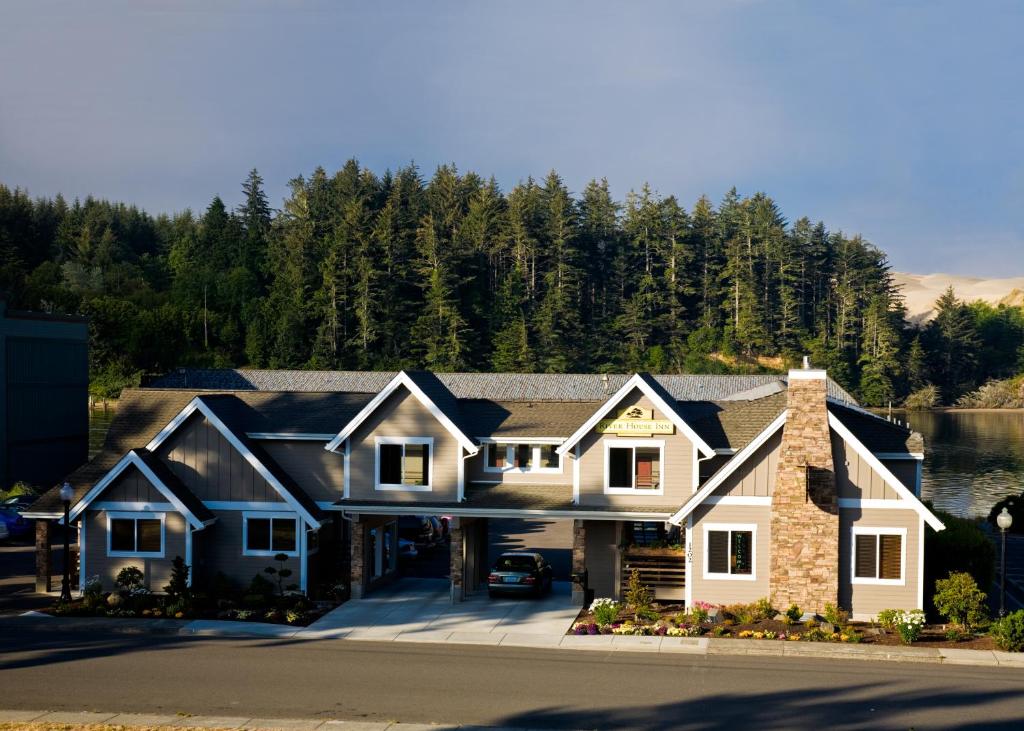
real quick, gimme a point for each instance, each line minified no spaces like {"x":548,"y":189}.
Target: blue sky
{"x":901,"y":121}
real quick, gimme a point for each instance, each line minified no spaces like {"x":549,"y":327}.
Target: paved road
{"x":46,"y":667}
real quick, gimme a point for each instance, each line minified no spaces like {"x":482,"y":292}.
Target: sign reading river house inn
{"x":777,"y":486}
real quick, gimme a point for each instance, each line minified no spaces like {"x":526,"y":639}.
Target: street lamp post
{"x":1004,"y":520}
{"x":66,"y":493}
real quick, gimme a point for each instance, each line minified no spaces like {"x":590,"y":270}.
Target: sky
{"x":901,"y":121}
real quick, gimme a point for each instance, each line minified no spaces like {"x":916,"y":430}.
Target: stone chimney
{"x":805,"y":508}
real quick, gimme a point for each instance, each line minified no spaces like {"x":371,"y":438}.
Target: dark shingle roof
{"x":732,"y":424}
{"x":876,"y":433}
{"x":526,"y":418}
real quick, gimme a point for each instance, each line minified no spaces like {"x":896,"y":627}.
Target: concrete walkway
{"x":129,"y":720}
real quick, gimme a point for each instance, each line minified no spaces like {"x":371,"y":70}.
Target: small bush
{"x":909,"y":625}
{"x":886,"y":619}
{"x":259,"y":586}
{"x":639,"y":597}
{"x":719,"y":630}
{"x":1008,"y":632}
{"x":741,"y":613}
{"x":835,"y":616}
{"x":178,"y":587}
{"x":962,"y":546}
{"x":959,"y":599}
{"x":605,"y":610}
{"x":763,"y":609}
{"x":793,"y":614}
{"x":130,"y":579}
{"x":280,"y":573}
{"x":923,"y":398}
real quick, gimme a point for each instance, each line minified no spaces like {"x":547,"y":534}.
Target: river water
{"x":972,"y":458}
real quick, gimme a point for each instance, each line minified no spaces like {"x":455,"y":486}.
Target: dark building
{"x":44,"y":396}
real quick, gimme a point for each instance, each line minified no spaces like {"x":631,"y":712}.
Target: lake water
{"x":972,"y":458}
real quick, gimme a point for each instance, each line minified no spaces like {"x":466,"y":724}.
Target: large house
{"x":717,"y":488}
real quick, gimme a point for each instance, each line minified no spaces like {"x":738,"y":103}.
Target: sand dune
{"x":921,"y":291}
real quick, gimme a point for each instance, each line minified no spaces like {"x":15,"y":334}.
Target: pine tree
{"x":440,"y":331}
{"x":952,"y":342}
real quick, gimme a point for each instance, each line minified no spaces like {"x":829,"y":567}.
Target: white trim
{"x":242,"y":505}
{"x":303,"y":556}
{"x":153,"y":507}
{"x":42,"y":515}
{"x":128,"y":460}
{"x":920,"y":564}
{"x":879,"y":531}
{"x":637,"y":382}
{"x":696,"y":470}
{"x":81,"y":555}
{"x":807,"y":374}
{"x":510,"y":467}
{"x":745,"y":500}
{"x":347,"y":477}
{"x":576,"y":476}
{"x":888,"y":477}
{"x":727,"y":469}
{"x":900,"y":455}
{"x":412,"y":508}
{"x":401,"y":379}
{"x":403,"y":441}
{"x":259,"y":515}
{"x":301,"y":437}
{"x":874,"y":504}
{"x":188,"y":555}
{"x":137,"y":515}
{"x":520,"y":440}
{"x":732,"y":528}
{"x":460,"y":488}
{"x":197,"y":404}
{"x":633,"y":444}
{"x":688,"y":586}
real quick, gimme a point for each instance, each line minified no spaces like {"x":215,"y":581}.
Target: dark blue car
{"x":17,"y":526}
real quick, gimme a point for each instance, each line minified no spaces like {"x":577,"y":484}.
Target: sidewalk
{"x":150,"y":721}
{"x":582,"y":643}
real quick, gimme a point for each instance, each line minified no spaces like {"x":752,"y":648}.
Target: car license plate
{"x":510,"y":579}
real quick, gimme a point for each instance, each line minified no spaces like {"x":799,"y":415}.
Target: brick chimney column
{"x":805,"y":508}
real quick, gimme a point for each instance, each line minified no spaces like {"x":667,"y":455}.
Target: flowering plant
{"x":585,"y":628}
{"x":909,"y":625}
{"x":605,"y":610}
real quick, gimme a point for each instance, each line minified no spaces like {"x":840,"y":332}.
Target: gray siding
{"x":131,"y":486}
{"x":402,"y":415}
{"x":211,"y":467}
{"x":218,"y":548}
{"x":156,"y":570}
{"x":866,"y":600}
{"x":677,"y":470}
{"x":756,"y":476}
{"x":730,"y":591}
{"x":855,"y":478}
{"x":319,"y":472}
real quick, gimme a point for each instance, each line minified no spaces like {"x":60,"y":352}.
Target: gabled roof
{"x":197,"y":514}
{"x":430,"y":392}
{"x":658,"y":396}
{"x":875,"y":433}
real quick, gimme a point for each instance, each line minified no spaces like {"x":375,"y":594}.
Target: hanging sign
{"x":633,"y":421}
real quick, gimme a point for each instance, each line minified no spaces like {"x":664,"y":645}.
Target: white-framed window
{"x":403,"y":463}
{"x":268,"y":534}
{"x":521,"y":457}
{"x":634,"y":466}
{"x":878,"y":556}
{"x":136,"y":534}
{"x":730,"y":551}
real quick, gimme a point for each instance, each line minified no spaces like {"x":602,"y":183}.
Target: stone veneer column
{"x":44,"y":557}
{"x":805,"y":511}
{"x":457,"y":559}
{"x":357,"y":558}
{"x":579,"y":558}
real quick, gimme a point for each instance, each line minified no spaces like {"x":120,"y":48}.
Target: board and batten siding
{"x":157,"y":571}
{"x":218,"y":549}
{"x":855,"y":478}
{"x":402,"y":415}
{"x":131,"y":486}
{"x":865,"y":601}
{"x":208,"y":464}
{"x":677,"y":469}
{"x":756,"y":476}
{"x":731,"y":591}
{"x":320,"y":473}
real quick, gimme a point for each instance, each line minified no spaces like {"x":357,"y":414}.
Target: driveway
{"x":420,"y":610}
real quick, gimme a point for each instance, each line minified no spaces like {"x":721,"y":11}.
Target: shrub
{"x":130,"y":579}
{"x":887,"y":619}
{"x":741,"y":613}
{"x":178,"y":586}
{"x":93,"y":589}
{"x":762,"y":609}
{"x":260,"y":587}
{"x":638,"y":597}
{"x":605,"y":610}
{"x":793,"y":614}
{"x":835,"y":616}
{"x":959,"y":599}
{"x":719,"y":630}
{"x":280,"y":573}
{"x":1008,"y":632}
{"x":909,"y":625}
{"x":923,"y":398}
{"x":963,"y":546}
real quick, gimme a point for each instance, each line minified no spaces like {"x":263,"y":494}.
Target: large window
{"x":878,"y":555}
{"x":634,"y":465}
{"x":403,"y":463}
{"x":135,"y":534}
{"x":729,"y":551}
{"x":513,"y":457}
{"x":267,"y":534}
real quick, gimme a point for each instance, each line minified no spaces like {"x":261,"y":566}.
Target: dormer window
{"x":521,"y":457}
{"x":403,"y":463}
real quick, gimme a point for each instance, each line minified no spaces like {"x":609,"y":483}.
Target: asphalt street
{"x":45,"y":667}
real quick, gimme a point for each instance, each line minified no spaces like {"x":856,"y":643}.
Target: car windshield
{"x":515,"y":563}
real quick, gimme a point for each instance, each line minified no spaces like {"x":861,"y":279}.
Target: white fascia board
{"x":731,"y":466}
{"x":520,"y":440}
{"x":413,"y":509}
{"x":402,"y":379}
{"x":901,"y":455}
{"x":197,"y":404}
{"x":296,"y":437}
{"x":888,"y":477}
{"x":636,"y":382}
{"x":128,"y":460}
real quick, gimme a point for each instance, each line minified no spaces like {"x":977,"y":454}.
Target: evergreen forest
{"x":359,"y":270}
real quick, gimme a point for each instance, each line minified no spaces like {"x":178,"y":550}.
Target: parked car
{"x":520,"y":572}
{"x":407,"y":550}
{"x":4,"y":533}
{"x":16,"y":526}
{"x":418,"y":529}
